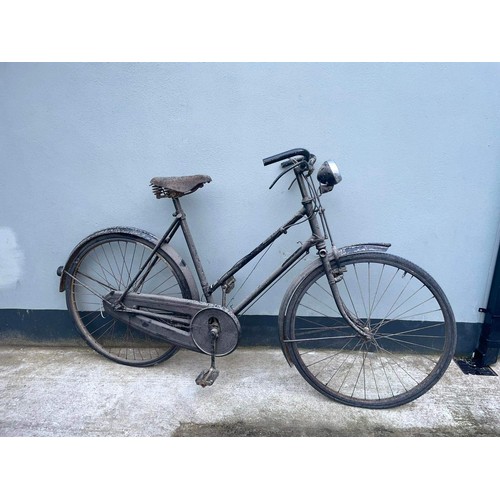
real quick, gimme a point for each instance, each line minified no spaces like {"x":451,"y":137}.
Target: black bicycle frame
{"x":307,"y":211}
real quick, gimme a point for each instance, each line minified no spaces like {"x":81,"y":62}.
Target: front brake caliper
{"x":337,"y":273}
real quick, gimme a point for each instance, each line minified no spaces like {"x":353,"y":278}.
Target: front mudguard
{"x":340,"y":252}
{"x":151,"y":238}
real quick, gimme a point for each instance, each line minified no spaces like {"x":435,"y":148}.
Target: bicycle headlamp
{"x":328,"y":175}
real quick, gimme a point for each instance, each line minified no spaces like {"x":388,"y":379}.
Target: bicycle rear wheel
{"x":110,"y":262}
{"x":407,"y":339}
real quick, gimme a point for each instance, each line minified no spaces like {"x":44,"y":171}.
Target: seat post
{"x":178,"y":208}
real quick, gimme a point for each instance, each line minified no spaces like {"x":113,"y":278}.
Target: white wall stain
{"x":11,"y":258}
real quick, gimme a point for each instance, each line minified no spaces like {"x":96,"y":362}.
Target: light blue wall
{"x":418,"y":147}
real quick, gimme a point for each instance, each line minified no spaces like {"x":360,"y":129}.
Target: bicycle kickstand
{"x":208,"y":377}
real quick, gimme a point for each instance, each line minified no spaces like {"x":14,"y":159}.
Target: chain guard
{"x":183,"y":322}
{"x":227,"y":323}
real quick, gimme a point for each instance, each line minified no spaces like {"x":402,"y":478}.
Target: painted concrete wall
{"x":417,"y":145}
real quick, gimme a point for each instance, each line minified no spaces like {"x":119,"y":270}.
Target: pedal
{"x":207,"y":377}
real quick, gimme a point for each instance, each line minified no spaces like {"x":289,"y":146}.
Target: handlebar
{"x":287,"y":154}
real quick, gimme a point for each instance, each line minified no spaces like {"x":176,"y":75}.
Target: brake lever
{"x":281,"y":175}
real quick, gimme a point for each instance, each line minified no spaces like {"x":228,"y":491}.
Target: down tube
{"x":257,"y":250}
{"x":298,"y":254}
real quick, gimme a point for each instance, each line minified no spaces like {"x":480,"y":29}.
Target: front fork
{"x":334,"y":276}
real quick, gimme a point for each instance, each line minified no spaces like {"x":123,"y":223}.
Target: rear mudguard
{"x":341,"y":252}
{"x":134,"y":232}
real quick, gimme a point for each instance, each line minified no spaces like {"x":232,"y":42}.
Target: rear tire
{"x":109,"y":262}
{"x":410,"y":332}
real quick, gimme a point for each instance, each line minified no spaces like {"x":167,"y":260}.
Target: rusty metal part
{"x":363,"y":247}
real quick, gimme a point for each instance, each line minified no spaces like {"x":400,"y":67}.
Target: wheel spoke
{"x":404,"y":341}
{"x":109,"y":264}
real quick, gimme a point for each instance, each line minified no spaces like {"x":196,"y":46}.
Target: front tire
{"x":408,"y":340}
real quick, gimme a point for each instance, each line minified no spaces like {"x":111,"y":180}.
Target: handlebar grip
{"x":287,"y":154}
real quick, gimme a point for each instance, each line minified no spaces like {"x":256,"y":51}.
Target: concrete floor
{"x":54,"y":391}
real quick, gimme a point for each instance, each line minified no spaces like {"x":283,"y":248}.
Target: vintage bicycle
{"x":363,"y":327}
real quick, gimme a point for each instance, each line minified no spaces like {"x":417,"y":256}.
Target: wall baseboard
{"x":40,"y":327}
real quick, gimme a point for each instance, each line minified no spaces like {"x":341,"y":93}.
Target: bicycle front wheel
{"x":108,"y":263}
{"x":404,"y":339}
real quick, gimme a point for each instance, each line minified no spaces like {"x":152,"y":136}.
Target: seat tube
{"x":192,"y":249}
